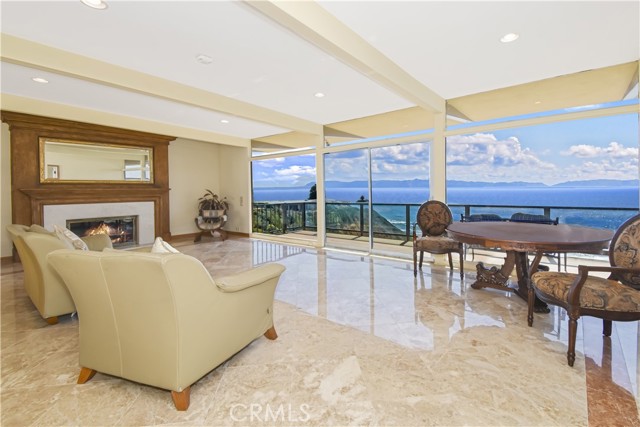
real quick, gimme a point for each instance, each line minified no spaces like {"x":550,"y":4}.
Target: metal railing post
{"x":283,"y":213}
{"x":407,"y":219}
{"x":304,"y":216}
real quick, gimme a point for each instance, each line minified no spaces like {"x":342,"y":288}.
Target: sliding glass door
{"x":400,"y":184}
{"x":373,"y":194}
{"x":347,"y":191}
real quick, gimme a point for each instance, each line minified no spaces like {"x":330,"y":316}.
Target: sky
{"x":597,"y":148}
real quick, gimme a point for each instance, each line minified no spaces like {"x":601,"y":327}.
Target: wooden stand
{"x":210,"y":226}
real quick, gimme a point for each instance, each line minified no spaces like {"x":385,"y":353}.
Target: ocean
{"x":582,"y":198}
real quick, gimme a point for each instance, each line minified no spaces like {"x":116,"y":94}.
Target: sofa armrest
{"x":249,"y":278}
{"x":98,"y":242}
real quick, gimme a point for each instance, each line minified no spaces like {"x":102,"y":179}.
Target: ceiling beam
{"x":30,"y":54}
{"x":313,"y":23}
{"x":633,"y":83}
{"x":38,"y":107}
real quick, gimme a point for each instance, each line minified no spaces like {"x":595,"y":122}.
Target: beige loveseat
{"x":43,"y":285}
{"x":160,"y":319}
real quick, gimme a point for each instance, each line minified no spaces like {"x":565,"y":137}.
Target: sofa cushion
{"x":36,"y":228}
{"x":70,"y":239}
{"x":162,"y":247}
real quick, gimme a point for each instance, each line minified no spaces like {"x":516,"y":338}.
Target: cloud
{"x":491,"y":153}
{"x":284,"y":171}
{"x":396,"y":162}
{"x":614,"y":150}
{"x":296,"y":170}
{"x":605,"y":169}
{"x":269,"y":162}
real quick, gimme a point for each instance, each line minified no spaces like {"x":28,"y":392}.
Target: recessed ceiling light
{"x":204,"y":59}
{"x":96,"y":4}
{"x":508,"y":38}
{"x":39,"y":80}
{"x":538,"y":102}
{"x":319,"y":95}
{"x":224,"y":121}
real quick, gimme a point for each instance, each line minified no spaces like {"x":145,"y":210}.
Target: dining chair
{"x":433,"y":218}
{"x":616,"y":297}
{"x":533,"y":218}
{"x":485,"y":217}
{"x":541,"y":219}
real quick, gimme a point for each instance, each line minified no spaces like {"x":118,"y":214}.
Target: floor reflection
{"x":361,"y":341}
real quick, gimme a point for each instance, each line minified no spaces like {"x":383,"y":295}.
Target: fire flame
{"x":101,"y":229}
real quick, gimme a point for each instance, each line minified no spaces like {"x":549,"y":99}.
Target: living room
{"x":217,"y":87}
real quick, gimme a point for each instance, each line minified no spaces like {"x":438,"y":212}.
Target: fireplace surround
{"x":30,"y":197}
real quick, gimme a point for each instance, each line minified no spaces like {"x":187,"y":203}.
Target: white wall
{"x":235,"y":184}
{"x":5,"y":191}
{"x":193,"y":167}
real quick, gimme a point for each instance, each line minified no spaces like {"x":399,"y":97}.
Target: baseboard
{"x":238,"y":233}
{"x":180,"y":237}
{"x":191,"y":236}
{"x":6,"y":260}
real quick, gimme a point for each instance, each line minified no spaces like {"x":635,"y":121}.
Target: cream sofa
{"x":43,"y":285}
{"x":160,"y":319}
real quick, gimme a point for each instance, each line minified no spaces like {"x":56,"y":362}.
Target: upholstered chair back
{"x":624,"y":250}
{"x":433,"y":218}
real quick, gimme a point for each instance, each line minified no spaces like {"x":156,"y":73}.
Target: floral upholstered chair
{"x":433,"y":218}
{"x":614,"y":298}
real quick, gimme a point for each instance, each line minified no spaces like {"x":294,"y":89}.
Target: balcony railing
{"x":395,"y":221}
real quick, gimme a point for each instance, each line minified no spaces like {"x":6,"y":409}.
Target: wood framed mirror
{"x":65,"y":161}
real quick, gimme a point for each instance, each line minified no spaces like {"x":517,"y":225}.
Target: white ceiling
{"x":265,"y":73}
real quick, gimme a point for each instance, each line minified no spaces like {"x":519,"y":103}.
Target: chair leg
{"x":531,"y":299}
{"x":271,"y":333}
{"x":461,"y":265}
{"x":573,"y":330}
{"x":421,"y":258}
{"x":181,"y":398}
{"x":450,"y":261}
{"x":85,"y":375}
{"x":415,"y":263}
{"x":606,"y":327}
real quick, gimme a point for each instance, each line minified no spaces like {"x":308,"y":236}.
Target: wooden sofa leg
{"x":53,"y":320}
{"x":271,"y":333}
{"x":85,"y":375}
{"x":181,"y":398}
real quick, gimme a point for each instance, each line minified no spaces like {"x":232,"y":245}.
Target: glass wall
{"x":583,"y":172}
{"x":346,"y":189}
{"x":284,"y":194}
{"x":400,"y":184}
{"x":382,"y":186}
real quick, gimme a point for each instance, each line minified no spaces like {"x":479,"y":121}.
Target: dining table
{"x":520,"y":240}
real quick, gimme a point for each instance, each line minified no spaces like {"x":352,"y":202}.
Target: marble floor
{"x":361,"y":342}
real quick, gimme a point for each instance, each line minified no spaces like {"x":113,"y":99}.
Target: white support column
{"x":320,"y":212}
{"x":438,"y":161}
{"x":437,"y":169}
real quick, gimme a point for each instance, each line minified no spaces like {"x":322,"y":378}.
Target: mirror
{"x":64,"y":160}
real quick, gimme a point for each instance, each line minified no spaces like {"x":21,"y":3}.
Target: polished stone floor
{"x":361,"y":342}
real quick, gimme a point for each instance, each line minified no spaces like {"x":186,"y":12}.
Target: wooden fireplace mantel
{"x":29,"y":195}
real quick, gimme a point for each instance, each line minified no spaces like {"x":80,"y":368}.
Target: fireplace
{"x":123,"y":230}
